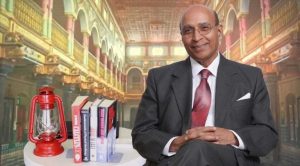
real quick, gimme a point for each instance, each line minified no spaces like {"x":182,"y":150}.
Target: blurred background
{"x":106,"y":48}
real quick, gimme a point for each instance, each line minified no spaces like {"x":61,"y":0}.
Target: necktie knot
{"x":205,"y":73}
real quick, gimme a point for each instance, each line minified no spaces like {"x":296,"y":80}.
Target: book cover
{"x":85,"y":132}
{"x":109,"y":108}
{"x":94,"y":129}
{"x":76,"y":126}
{"x":107,"y":130}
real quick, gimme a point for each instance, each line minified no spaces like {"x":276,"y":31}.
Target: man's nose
{"x":196,"y":35}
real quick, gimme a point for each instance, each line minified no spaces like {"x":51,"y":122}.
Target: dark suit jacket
{"x":165,"y":109}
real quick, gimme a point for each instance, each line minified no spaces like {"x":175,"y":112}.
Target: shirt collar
{"x":213,"y":67}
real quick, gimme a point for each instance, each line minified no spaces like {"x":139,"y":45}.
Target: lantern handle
{"x":31,"y":118}
{"x":61,"y":119}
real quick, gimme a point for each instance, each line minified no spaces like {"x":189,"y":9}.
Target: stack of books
{"x":94,"y":128}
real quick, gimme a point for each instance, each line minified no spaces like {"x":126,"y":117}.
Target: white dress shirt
{"x":210,"y":121}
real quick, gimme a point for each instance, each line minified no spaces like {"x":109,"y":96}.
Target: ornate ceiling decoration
{"x":150,"y":20}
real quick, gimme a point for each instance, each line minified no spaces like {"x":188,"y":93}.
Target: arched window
{"x":135,"y":81}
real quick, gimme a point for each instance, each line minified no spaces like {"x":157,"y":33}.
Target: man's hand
{"x":210,"y":134}
{"x":213,"y":134}
{"x":225,"y":137}
{"x":202,"y":133}
{"x":177,"y":143}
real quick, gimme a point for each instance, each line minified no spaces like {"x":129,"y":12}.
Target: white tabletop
{"x":129,"y":155}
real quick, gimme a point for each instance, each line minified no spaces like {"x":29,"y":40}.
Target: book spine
{"x":77,"y":149}
{"x":102,"y":126}
{"x":85,"y":136}
{"x":94,"y":121}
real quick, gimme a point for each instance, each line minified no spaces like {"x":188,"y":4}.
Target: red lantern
{"x":51,"y":131}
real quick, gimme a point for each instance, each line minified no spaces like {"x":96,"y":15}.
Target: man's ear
{"x":220,"y":30}
{"x":220,"y":33}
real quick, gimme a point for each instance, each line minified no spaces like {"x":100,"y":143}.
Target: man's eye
{"x":187,"y":31}
{"x":205,"y":28}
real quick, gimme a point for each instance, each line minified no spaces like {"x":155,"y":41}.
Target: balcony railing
{"x":114,"y":81}
{"x":92,"y":63}
{"x":101,"y":70}
{"x":282,"y":15}
{"x":29,"y":14}
{"x":78,"y":52}
{"x":253,"y":37}
{"x":108,"y":77}
{"x":59,"y":37}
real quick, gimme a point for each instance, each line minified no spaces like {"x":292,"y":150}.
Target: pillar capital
{"x":265,"y":63}
{"x":12,"y":46}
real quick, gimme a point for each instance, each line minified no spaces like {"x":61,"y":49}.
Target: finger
{"x":220,"y":143}
{"x":200,"y":132}
{"x":209,"y":138}
{"x":205,"y":136}
{"x":201,"y":129}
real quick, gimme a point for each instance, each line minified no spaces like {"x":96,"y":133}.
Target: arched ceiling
{"x":150,"y":20}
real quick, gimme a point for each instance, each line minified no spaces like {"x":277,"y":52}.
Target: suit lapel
{"x":224,"y":85}
{"x":182,"y":88}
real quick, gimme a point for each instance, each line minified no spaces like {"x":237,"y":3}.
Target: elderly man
{"x":205,"y":110}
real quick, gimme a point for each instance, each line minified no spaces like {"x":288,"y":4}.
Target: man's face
{"x":200,"y":35}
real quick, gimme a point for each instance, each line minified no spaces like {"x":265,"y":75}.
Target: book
{"x":101,"y":141}
{"x":108,"y":110}
{"x":85,"y":132}
{"x":107,"y":130}
{"x":94,"y":129}
{"x":76,"y":126}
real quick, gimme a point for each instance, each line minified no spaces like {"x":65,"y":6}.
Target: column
{"x":86,"y":47}
{"x":2,"y":6}
{"x":271,"y":80}
{"x":44,"y":80}
{"x":243,"y":30}
{"x":228,"y":44}
{"x":70,"y":29}
{"x":265,"y":18}
{"x":85,"y":92}
{"x":47,"y":6}
{"x":97,"y":52}
{"x":9,"y":5}
{"x":5,"y":69}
